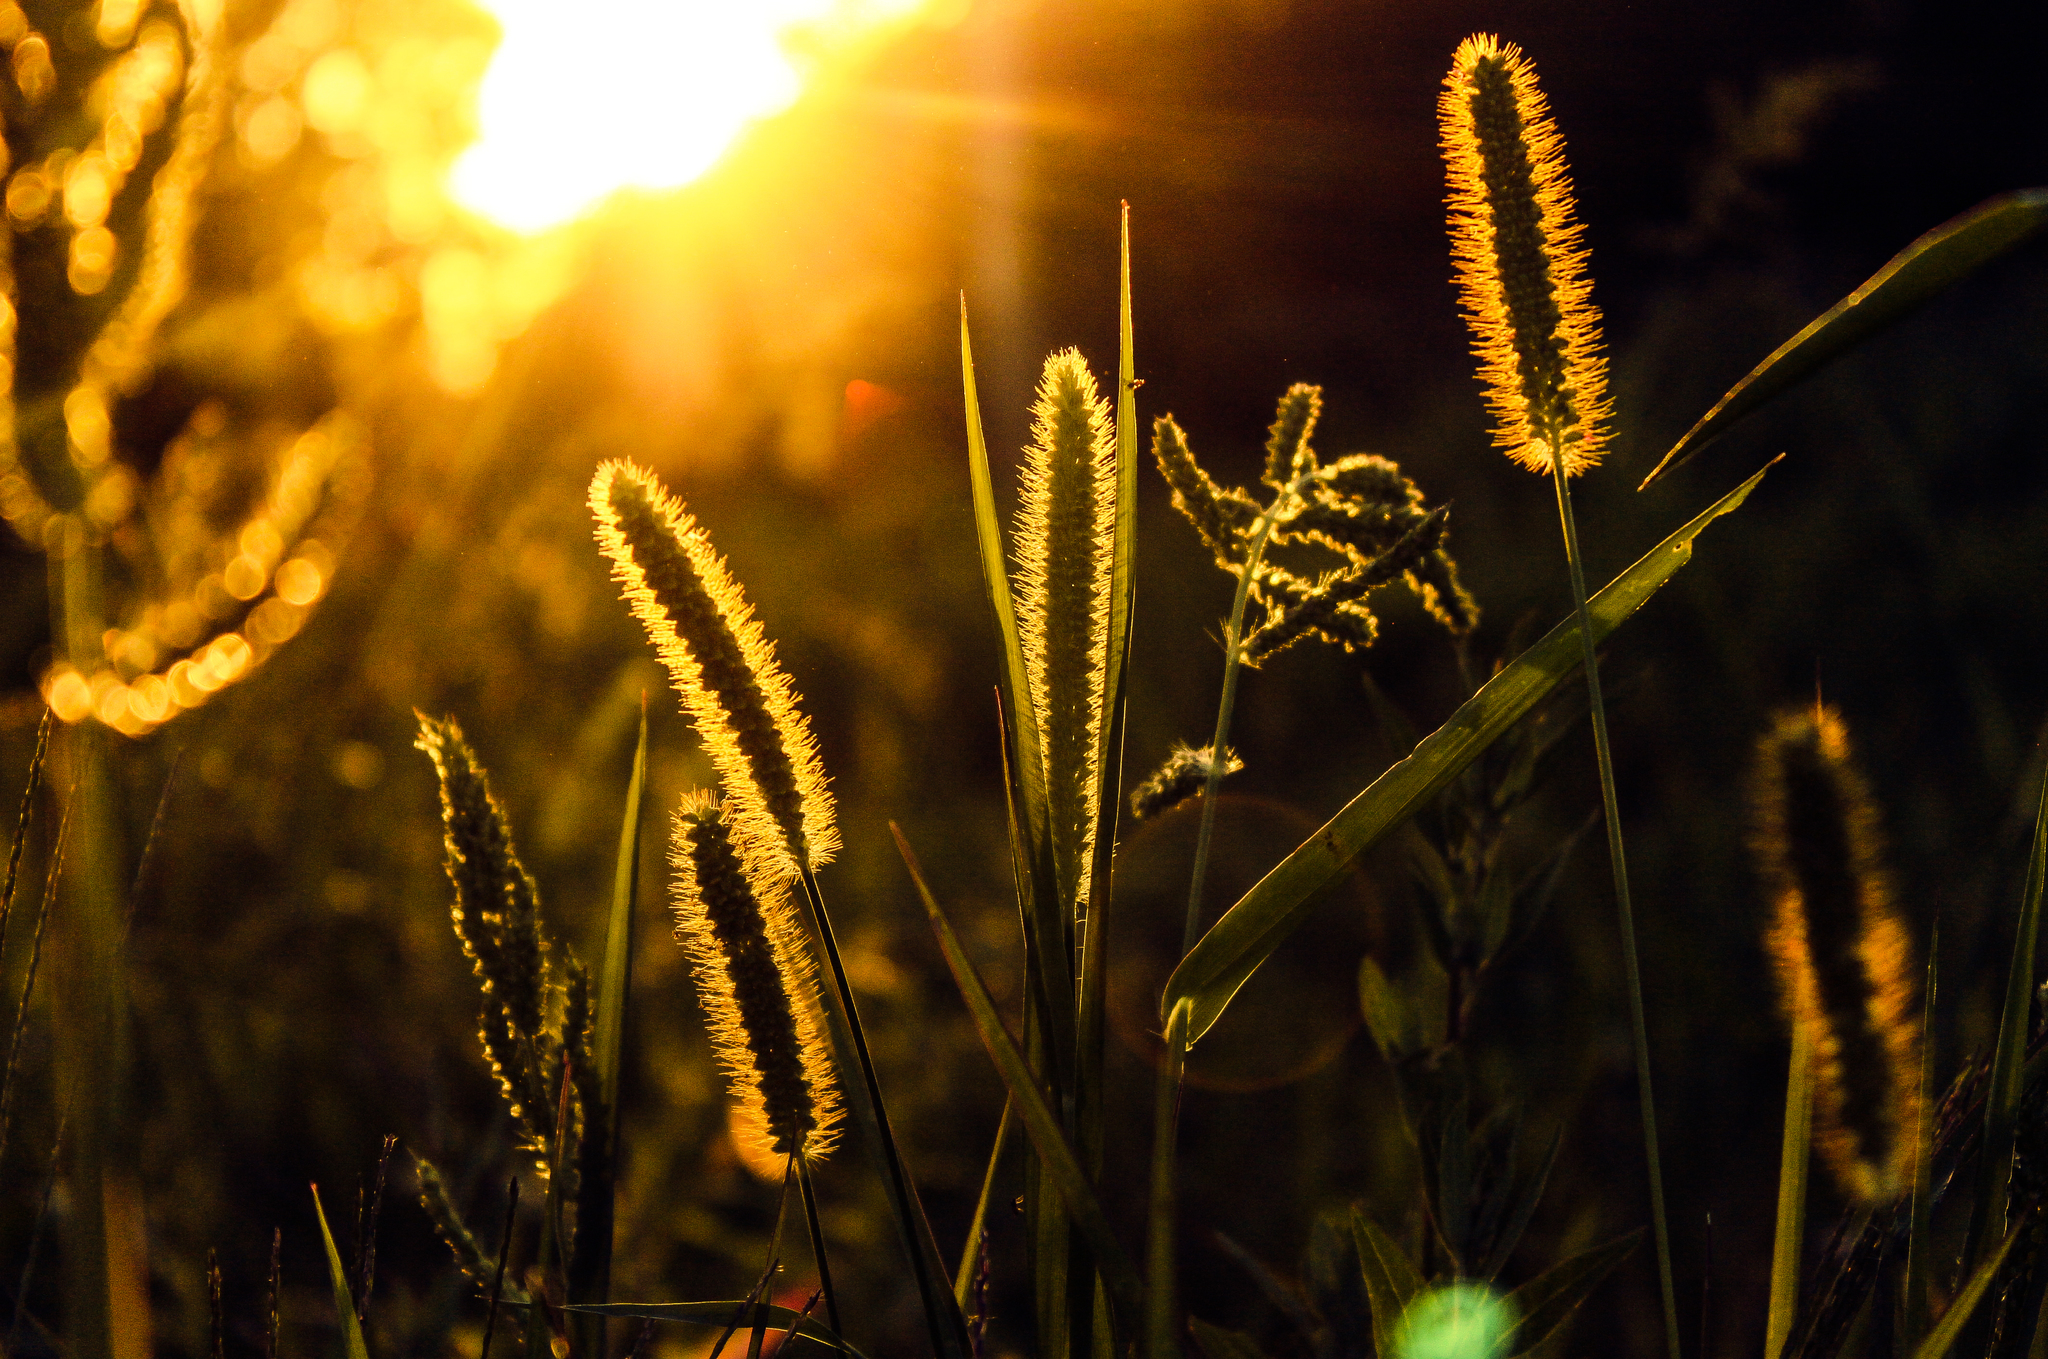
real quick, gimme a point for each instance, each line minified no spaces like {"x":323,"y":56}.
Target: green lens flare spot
{"x":1459,"y":1321}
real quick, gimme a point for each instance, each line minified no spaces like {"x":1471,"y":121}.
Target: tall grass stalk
{"x":1524,"y":287}
{"x":1618,"y":860}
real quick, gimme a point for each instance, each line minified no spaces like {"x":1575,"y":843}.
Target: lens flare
{"x":581,"y":100}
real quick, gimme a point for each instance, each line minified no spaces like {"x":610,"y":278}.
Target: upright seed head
{"x":1841,"y":953}
{"x":1520,"y":265}
{"x":754,"y":978}
{"x":724,"y":668}
{"x":1287,"y":449}
{"x":1065,"y":532}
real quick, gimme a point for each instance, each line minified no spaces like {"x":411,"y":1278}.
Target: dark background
{"x":779,"y":341}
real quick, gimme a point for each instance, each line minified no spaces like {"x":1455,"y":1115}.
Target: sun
{"x":581,"y":100}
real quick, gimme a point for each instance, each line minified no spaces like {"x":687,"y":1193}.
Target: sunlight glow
{"x":584,"y":99}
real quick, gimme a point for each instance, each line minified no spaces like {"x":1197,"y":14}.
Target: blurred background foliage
{"x":777,"y":339}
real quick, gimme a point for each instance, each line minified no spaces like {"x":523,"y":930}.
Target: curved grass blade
{"x":1028,"y":761}
{"x":863,"y":1090}
{"x":344,"y":1301}
{"x":1929,"y":266}
{"x":1547,"y":1301}
{"x":719,"y":1314}
{"x":1391,"y":1279}
{"x":1248,"y":933}
{"x":1040,"y":1124}
{"x":2002,"y":1095}
{"x":1952,"y":1322}
{"x":1793,"y":1159}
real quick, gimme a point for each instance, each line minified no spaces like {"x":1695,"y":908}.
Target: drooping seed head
{"x":1840,"y":951}
{"x":1520,"y":265}
{"x":760,"y":995}
{"x":1066,"y":527}
{"x":723,"y":666}
{"x":1184,"y":775}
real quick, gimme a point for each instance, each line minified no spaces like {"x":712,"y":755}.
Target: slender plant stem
{"x":1162,"y":1303}
{"x":1611,"y":807}
{"x":803,"y":1179}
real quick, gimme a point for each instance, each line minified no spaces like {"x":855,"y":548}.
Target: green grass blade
{"x":1793,"y":1159}
{"x":1055,"y":1156}
{"x":1045,"y":933}
{"x":344,"y":1303}
{"x":970,"y":1254}
{"x":1109,"y":788}
{"x":1915,"y":1281}
{"x":1248,"y":933}
{"x":2002,"y":1096}
{"x":1391,"y":1279}
{"x":617,"y":977}
{"x":1929,"y":266}
{"x":1952,"y":1322}
{"x":719,"y":1314}
{"x":1028,"y":760}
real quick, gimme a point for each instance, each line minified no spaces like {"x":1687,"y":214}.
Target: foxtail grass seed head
{"x":1520,"y":265}
{"x":1184,"y":775}
{"x":1221,"y":517}
{"x":754,"y":978}
{"x":1066,"y":526}
{"x":497,"y":917}
{"x":1841,"y":953}
{"x":1287,"y":448}
{"x":723,"y":666}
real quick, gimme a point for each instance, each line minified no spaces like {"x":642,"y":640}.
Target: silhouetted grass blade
{"x":1929,"y":266}
{"x":1248,"y":933}
{"x":1958,"y":1315}
{"x":591,"y":1263}
{"x":1040,"y":1123}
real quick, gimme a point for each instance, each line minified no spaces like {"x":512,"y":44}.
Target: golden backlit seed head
{"x":1066,"y":525}
{"x":1521,"y":268}
{"x":1841,"y":953}
{"x":760,"y":995}
{"x":723,"y":666}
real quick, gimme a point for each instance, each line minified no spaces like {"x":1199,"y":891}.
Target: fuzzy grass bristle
{"x":1841,"y":953}
{"x":1066,"y":526}
{"x":759,"y":993}
{"x":723,"y":666}
{"x":1521,"y":266}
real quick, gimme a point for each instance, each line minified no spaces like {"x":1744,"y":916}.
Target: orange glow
{"x":648,"y":94}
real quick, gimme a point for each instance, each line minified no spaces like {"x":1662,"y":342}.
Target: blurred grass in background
{"x":776,"y":340}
